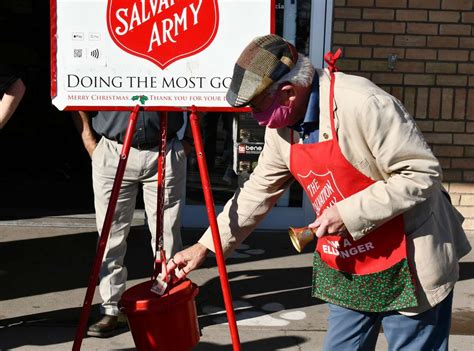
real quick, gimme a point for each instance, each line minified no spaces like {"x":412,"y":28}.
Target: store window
{"x":233,"y":141}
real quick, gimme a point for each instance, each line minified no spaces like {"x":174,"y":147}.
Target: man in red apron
{"x":389,"y":240}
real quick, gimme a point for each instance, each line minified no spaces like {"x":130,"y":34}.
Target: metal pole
{"x":104,"y":236}
{"x":211,"y":214}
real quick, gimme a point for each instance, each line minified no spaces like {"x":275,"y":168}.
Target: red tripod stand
{"x":203,"y":171}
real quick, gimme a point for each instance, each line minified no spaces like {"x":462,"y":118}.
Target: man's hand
{"x":82,"y":123}
{"x":90,"y":145}
{"x":187,"y":260}
{"x":329,"y":223}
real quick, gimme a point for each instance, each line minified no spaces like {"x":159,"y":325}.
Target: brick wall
{"x":462,"y":196}
{"x":433,"y":74}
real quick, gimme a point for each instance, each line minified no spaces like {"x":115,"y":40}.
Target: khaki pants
{"x":141,"y":170}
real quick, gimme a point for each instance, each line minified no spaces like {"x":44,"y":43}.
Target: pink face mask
{"x":275,"y":116}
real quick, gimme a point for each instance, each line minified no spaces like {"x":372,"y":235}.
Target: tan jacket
{"x":379,"y":138}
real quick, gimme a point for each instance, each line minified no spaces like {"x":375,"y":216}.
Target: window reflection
{"x":232,"y":141}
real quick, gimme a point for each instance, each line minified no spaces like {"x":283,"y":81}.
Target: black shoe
{"x":106,"y":326}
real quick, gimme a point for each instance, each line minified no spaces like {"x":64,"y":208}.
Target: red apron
{"x":370,"y":274}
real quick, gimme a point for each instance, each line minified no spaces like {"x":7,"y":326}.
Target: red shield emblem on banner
{"x":321,"y":189}
{"x":163,"y":31}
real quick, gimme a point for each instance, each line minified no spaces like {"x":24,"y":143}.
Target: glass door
{"x":233,"y":141}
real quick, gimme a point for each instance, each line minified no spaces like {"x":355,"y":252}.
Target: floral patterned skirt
{"x":389,"y":290}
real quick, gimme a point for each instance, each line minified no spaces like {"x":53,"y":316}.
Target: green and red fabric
{"x":372,"y":273}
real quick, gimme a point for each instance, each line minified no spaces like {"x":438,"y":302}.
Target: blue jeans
{"x":354,"y":330}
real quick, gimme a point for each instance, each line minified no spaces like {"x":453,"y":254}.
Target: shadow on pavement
{"x":255,"y":289}
{"x":61,"y":263}
{"x":38,"y":266}
{"x":42,"y":329}
{"x":277,"y":343}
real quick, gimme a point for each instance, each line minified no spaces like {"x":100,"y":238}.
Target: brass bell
{"x":300,"y":237}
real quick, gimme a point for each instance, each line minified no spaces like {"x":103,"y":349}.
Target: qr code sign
{"x":78,"y":53}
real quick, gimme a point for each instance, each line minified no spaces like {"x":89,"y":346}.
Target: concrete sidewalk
{"x":45,"y":264}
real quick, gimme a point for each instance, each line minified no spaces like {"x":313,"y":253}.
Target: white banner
{"x":159,"y":53}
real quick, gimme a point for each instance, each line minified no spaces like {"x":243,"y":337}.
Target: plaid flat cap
{"x":265,"y":60}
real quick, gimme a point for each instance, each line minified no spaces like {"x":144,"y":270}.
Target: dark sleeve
{"x":8,"y":75}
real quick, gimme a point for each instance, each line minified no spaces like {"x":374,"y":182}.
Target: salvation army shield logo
{"x":321,"y":189}
{"x":162,"y":31}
